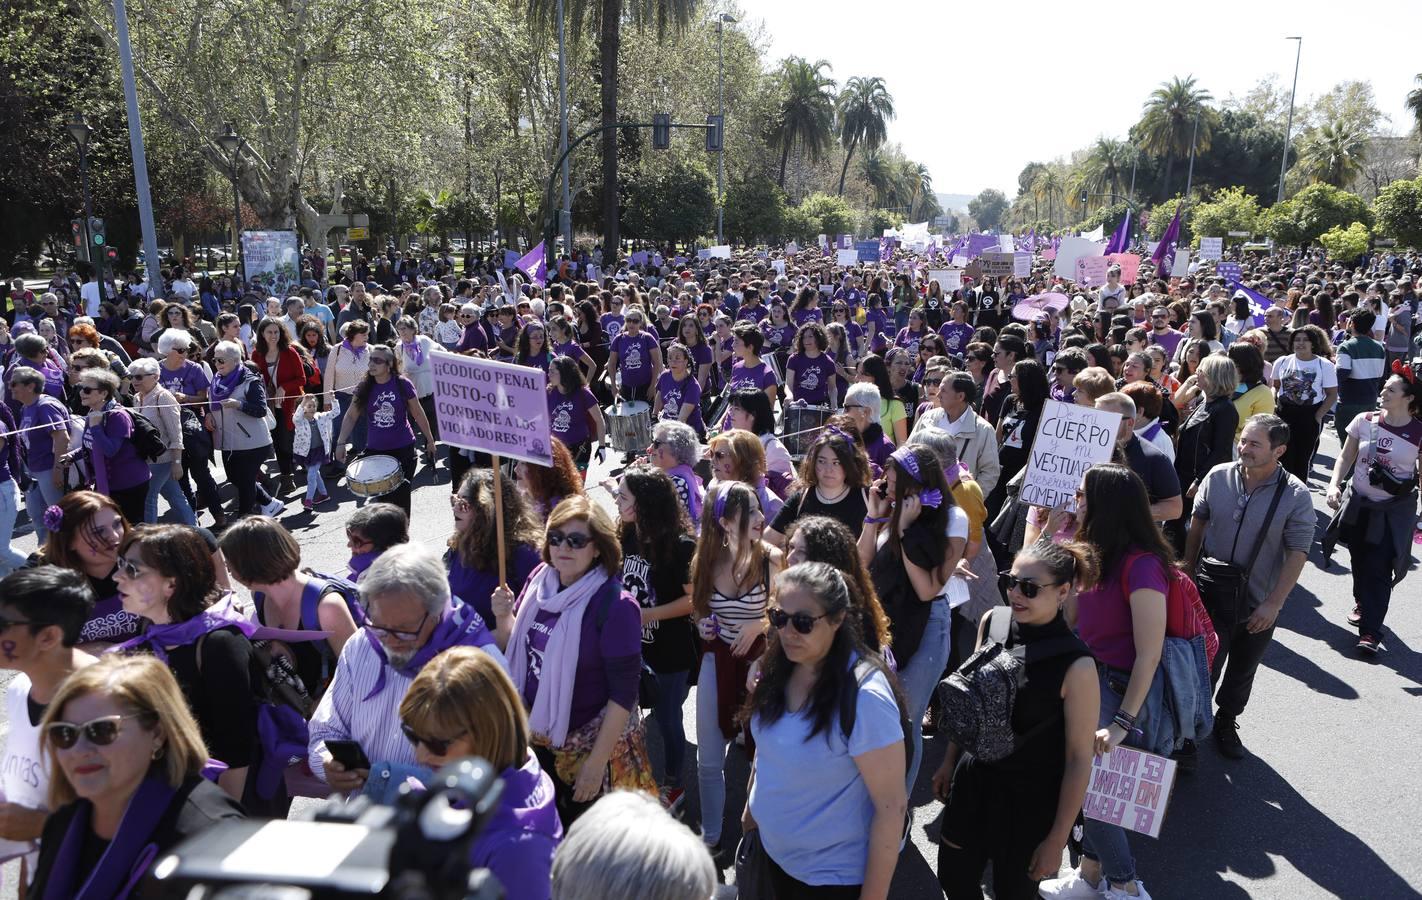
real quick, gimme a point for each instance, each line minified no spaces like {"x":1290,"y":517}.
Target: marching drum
{"x":802,"y":424}
{"x":629,"y":425}
{"x":372,"y":476}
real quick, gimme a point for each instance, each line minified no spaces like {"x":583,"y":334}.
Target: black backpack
{"x":146,"y":437}
{"x":977,"y":700}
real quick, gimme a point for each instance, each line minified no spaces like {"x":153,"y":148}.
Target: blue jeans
{"x":162,"y":482}
{"x":40,"y":497}
{"x":921,"y":676}
{"x":1104,"y":842}
{"x":671,"y":689}
{"x":710,"y":753}
{"x":315,"y":484}
{"x":10,"y":558}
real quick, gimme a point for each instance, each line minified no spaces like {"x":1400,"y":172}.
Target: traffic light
{"x":715,"y":133}
{"x":96,"y":231}
{"x":1083,"y":198}
{"x":661,"y":131}
{"x":81,"y":245}
{"x":112,"y":256}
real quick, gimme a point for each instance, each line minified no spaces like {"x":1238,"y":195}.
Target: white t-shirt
{"x":1396,"y":448}
{"x":24,"y":778}
{"x":184,"y":288}
{"x":89,"y":292}
{"x":1304,"y":383}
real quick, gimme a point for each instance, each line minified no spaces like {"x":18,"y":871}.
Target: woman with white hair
{"x":674,"y":450}
{"x":863,"y":405}
{"x":180,"y":376}
{"x":627,"y":845}
{"x":239,"y":430}
{"x":157,"y":404}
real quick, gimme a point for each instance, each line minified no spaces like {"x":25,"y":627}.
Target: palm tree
{"x":1106,"y":167}
{"x":916,"y":185}
{"x":864,"y":106}
{"x":1333,"y":153}
{"x":806,"y":110}
{"x":1048,"y":185}
{"x":605,"y":18}
{"x":878,"y":172}
{"x":1414,"y":104}
{"x":1168,"y":122}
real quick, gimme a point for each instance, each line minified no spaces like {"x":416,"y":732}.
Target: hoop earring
{"x":158,"y":752}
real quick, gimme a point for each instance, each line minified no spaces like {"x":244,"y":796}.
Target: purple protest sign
{"x":492,"y":406}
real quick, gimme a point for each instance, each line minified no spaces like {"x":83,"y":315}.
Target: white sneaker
{"x":273,"y":508}
{"x":1070,"y":886}
{"x":1111,"y":893}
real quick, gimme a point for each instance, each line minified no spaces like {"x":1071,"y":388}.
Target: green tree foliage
{"x":988,"y":208}
{"x":864,"y":108}
{"x":1333,"y":153}
{"x":1346,"y":243}
{"x":755,"y":210}
{"x":1228,"y":210}
{"x":1414,"y":104}
{"x":677,"y":202}
{"x":1168,"y":122}
{"x":1245,"y":151}
{"x":1398,"y":209}
{"x":1160,"y":215}
{"x":1301,"y":219}
{"x":1107,"y":167}
{"x":825,"y":214}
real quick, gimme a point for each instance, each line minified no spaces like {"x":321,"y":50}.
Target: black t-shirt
{"x":668,"y":645}
{"x":849,"y":509}
{"x":989,"y":308}
{"x":220,"y":695}
{"x":1155,"y":469}
{"x":907,"y":613}
{"x":198,"y":805}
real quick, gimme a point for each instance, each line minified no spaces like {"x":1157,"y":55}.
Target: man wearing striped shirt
{"x":1361,"y":370}
{"x":412,"y":618}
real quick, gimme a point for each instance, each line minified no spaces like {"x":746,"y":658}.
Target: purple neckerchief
{"x":128,"y":856}
{"x":415,"y":350}
{"x":361,"y":561}
{"x":355,"y":351}
{"x":224,"y":385}
{"x":459,"y":626}
{"x":222,"y":614}
{"x":693,"y":483}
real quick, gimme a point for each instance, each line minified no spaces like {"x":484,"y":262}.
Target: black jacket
{"x":1206,"y":440}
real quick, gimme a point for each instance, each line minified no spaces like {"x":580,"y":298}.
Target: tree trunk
{"x":1165,"y":183}
{"x":784,"y":160}
{"x":845,"y":169}
{"x":611,"y":43}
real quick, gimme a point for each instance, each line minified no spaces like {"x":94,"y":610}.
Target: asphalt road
{"x":1326,"y":804}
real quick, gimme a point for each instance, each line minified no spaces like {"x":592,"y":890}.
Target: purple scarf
{"x":223,"y":614}
{"x":224,"y":385}
{"x":358,"y":353}
{"x":360,"y":562}
{"x":694,"y":495}
{"x":415,"y":350}
{"x":128,"y":856}
{"x":459,"y":626}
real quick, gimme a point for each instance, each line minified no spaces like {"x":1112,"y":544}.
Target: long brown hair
{"x":79,"y":508}
{"x":477,"y":545}
{"x":735,"y":501}
{"x":545,"y":483}
{"x":829,"y":541}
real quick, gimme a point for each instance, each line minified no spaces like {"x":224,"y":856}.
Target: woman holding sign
{"x":393,"y":404}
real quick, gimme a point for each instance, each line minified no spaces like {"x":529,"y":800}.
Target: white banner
{"x":1070,"y":440}
{"x":948,"y":279}
{"x":271,"y":259}
{"x":1211,"y":248}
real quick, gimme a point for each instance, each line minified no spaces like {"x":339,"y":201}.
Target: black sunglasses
{"x":99,"y":732}
{"x":435,"y":745}
{"x":803,"y":621}
{"x":1029,"y":589}
{"x":575,"y":541}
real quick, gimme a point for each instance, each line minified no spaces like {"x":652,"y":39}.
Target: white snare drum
{"x":802,"y":424}
{"x":372,"y":476}
{"x":629,"y":425}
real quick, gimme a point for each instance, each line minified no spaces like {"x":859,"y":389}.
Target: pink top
{"x":1104,"y":612}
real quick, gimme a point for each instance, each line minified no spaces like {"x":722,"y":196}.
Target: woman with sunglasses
{"x":155,"y":403}
{"x":912,"y":540}
{"x":830,"y":806}
{"x":393,"y":405}
{"x":1044,"y":781}
{"x":472,"y":558}
{"x":893,"y":417}
{"x":573,"y":641}
{"x":166,"y":576}
{"x":657,"y":548}
{"x":236,"y":420}
{"x":127,"y":759}
{"x":1121,"y":617}
{"x":463,"y":704}
{"x":85,"y":530}
{"x":117,"y":468}
{"x":635,"y":359}
{"x":731,"y":579}
{"x":738,"y":455}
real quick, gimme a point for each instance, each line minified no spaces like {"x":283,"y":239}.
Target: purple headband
{"x":718,"y":509}
{"x":909,"y":463}
{"x":839,"y":432}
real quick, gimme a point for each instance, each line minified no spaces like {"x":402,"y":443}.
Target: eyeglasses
{"x":803,"y":621}
{"x":89,"y":389}
{"x":437,"y":746}
{"x":397,"y":633}
{"x":458,"y":503}
{"x":379,"y":360}
{"x":720,"y":454}
{"x":932,"y":382}
{"x":855,"y":406}
{"x":1029,"y":589}
{"x":100,"y":732}
{"x":126,"y":567}
{"x":575,"y":540}
{"x":6,"y":624}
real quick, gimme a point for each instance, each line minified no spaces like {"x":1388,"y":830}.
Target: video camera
{"x":417,"y":849}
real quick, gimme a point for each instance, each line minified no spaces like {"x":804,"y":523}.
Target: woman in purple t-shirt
{"x":573,"y":416}
{"x":806,"y":307}
{"x":809,"y":375}
{"x":565,"y":343}
{"x":749,"y":371}
{"x":678,"y":395}
{"x":694,"y":340}
{"x":912,"y":334}
{"x":635,"y":358}
{"x":957,"y":333}
{"x":392,"y":403}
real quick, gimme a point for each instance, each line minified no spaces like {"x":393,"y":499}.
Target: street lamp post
{"x":1288,"y":129}
{"x":1190,"y":175}
{"x":722,"y":21}
{"x":231,"y":143}
{"x":80,"y":131}
{"x":565,"y":215}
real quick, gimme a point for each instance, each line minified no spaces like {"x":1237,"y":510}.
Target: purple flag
{"x":534,"y":265}
{"x":1258,"y":303}
{"x":1032,"y":239}
{"x":1121,"y":237}
{"x":1166,"y":248}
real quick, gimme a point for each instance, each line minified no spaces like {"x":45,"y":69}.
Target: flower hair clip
{"x":53,"y":518}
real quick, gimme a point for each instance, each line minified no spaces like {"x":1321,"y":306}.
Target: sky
{"x":982,"y":89}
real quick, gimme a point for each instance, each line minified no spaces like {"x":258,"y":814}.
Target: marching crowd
{"x":815,"y":519}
